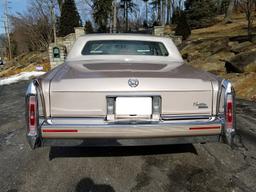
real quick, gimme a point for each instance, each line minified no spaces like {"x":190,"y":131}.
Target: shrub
{"x":200,"y":13}
{"x":183,"y":28}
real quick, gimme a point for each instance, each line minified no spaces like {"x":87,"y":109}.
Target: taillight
{"x":32,"y":115}
{"x":229,"y":112}
{"x":227,"y":100}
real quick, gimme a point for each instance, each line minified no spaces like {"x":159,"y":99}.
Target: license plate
{"x":133,"y":106}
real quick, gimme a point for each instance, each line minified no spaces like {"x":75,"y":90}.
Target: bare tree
{"x":228,"y":16}
{"x":128,"y":7}
{"x":249,"y":8}
{"x":2,"y":45}
{"x":88,"y":3}
{"x":33,"y":30}
{"x":156,"y":4}
{"x":169,"y":9}
{"x":146,"y":5}
{"x":163,"y":11}
{"x":85,"y":8}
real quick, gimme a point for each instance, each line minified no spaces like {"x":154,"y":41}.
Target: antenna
{"x":7,"y":27}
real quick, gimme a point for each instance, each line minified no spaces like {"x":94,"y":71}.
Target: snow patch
{"x":20,"y":77}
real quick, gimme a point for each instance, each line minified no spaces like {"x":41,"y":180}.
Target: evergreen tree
{"x":145,"y":24}
{"x":175,"y":16}
{"x":69,"y":18}
{"x":200,"y":13}
{"x":88,"y":27}
{"x":182,"y":28}
{"x":60,"y":3}
{"x":101,"y":14}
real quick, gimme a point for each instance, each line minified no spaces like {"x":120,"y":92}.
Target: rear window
{"x":124,"y":47}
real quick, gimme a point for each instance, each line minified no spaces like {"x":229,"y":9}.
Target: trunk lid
{"x":81,"y":90}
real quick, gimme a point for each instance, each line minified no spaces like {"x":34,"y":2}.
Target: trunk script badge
{"x":133,"y":82}
{"x":200,"y":105}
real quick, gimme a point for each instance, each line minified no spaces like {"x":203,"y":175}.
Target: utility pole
{"x":6,"y":27}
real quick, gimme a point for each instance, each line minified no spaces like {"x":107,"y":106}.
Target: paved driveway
{"x":182,"y":168}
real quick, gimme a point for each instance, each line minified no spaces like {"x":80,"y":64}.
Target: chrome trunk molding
{"x":81,"y":121}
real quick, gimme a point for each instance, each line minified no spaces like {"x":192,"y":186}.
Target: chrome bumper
{"x":95,"y":128}
{"x":99,"y":133}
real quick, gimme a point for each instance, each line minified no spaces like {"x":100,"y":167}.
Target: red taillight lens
{"x":229,"y":112}
{"x":32,"y":115}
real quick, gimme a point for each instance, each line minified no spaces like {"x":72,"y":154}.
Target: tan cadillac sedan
{"x":128,"y":90}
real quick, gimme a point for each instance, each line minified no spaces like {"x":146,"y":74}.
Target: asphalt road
{"x":199,"y":168}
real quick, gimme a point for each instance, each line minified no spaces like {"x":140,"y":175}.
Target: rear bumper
{"x":92,"y":128}
{"x":128,"y":142}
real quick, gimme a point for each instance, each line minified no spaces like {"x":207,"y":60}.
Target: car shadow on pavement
{"x":59,"y":152}
{"x":87,"y":184}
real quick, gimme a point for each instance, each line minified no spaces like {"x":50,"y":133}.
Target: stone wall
{"x":55,"y":61}
{"x":167,"y":31}
{"x":158,"y":31}
{"x":64,"y":44}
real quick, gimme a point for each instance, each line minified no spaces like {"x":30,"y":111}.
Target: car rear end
{"x":131,"y":117}
{"x":128,"y":101}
